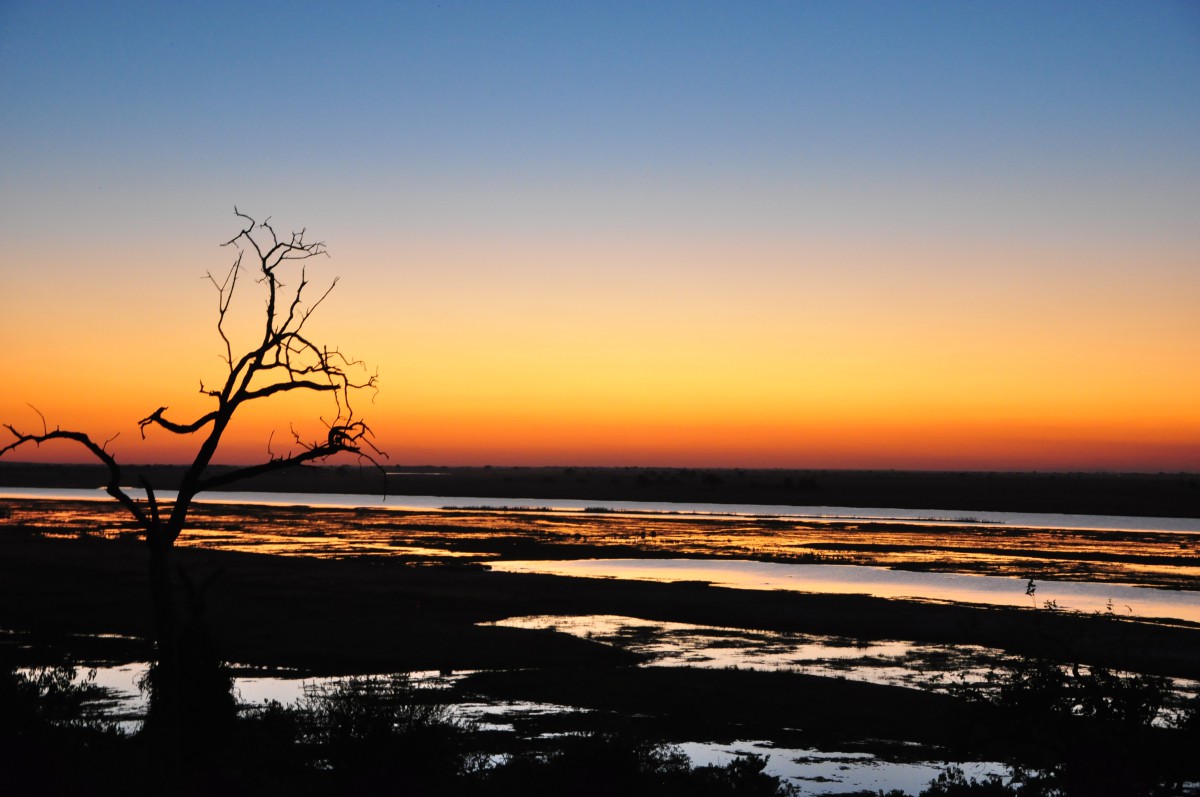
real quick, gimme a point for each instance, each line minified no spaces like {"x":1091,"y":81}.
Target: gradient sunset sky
{"x":793,"y":234}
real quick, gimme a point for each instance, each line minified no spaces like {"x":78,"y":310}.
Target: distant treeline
{"x":1138,"y":494}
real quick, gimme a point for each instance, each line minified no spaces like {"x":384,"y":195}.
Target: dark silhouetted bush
{"x":628,"y":765}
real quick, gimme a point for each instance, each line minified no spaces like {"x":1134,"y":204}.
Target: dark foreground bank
{"x":1133,"y":494}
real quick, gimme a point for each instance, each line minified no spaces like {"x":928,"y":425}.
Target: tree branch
{"x":284,"y":360}
{"x":282,"y":387}
{"x":99,"y":451}
{"x":156,"y":419}
{"x":350,"y":438}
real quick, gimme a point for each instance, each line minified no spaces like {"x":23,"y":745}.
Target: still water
{"x":815,"y":770}
{"x":956,"y":517}
{"x":894,"y":662}
{"x":1120,"y":599}
{"x":917,"y":665}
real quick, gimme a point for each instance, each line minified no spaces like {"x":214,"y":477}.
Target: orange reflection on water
{"x":1149,"y":558}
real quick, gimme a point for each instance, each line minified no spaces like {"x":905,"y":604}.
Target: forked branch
{"x":283,"y":361}
{"x":352,"y":438}
{"x":98,"y":450}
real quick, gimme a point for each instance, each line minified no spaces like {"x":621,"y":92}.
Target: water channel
{"x":893,"y":662}
{"x":957,"y":517}
{"x":1121,"y":599}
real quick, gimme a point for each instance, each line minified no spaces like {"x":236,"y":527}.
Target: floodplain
{"x":844,"y":688}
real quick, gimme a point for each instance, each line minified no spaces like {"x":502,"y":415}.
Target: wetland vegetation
{"x":825,"y":693}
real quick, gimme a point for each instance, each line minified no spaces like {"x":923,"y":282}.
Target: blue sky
{"x":583,"y":99}
{"x":787,"y":167}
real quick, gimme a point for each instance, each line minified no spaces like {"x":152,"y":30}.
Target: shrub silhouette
{"x":375,"y":729}
{"x":1087,"y":731}
{"x":630,"y":765}
{"x":1041,"y":686}
{"x":53,"y":740}
{"x":953,"y":783}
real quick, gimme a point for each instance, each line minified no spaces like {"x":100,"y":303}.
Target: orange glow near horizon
{"x":931,"y":369}
{"x":802,"y":235}
{"x":700,"y":436}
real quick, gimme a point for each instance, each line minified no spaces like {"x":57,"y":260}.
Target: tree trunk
{"x":166,"y":687}
{"x":192,"y":704}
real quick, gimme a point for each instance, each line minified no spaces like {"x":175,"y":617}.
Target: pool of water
{"x":668,"y":644}
{"x":847,"y":768}
{"x":814,"y":770}
{"x":837,"y":772}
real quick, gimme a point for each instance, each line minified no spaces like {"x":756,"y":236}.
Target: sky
{"x":920,"y":235}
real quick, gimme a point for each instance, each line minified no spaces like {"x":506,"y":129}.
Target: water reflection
{"x":667,"y":644}
{"x":1041,"y":520}
{"x":825,"y":772}
{"x":816,"y":770}
{"x":1141,"y":602}
{"x":1167,"y":559}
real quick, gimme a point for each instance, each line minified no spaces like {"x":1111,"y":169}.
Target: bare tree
{"x":285,"y":360}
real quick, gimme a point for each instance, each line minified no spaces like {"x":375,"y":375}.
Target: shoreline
{"x":83,"y":572}
{"x":74,"y":588}
{"x":1128,"y":494}
{"x":341,"y":617}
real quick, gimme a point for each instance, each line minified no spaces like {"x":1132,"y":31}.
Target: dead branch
{"x":156,"y":418}
{"x":352,"y":438}
{"x":99,"y":451}
{"x":283,"y":360}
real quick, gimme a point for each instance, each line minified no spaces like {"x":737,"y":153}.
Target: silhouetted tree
{"x":283,"y":360}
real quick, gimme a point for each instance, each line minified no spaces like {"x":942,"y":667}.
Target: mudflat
{"x":302,"y":591}
{"x":414,"y":594}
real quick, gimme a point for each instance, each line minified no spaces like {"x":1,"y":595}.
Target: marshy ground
{"x":305,"y":592}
